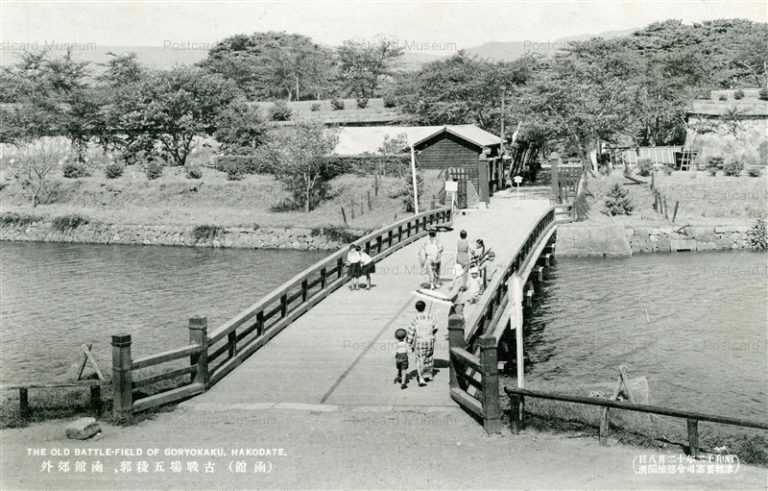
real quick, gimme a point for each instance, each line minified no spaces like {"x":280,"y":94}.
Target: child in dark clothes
{"x":401,"y":358}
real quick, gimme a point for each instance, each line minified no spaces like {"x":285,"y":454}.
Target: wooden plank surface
{"x":342,"y":351}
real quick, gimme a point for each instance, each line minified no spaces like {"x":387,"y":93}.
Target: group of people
{"x":360,"y":264}
{"x":418,"y":339}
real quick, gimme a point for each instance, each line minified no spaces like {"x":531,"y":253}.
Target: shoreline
{"x":254,"y":237}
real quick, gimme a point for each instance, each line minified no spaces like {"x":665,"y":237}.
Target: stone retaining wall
{"x":579,"y":239}
{"x":170,"y":235}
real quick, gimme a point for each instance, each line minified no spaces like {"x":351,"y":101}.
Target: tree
{"x":33,"y":168}
{"x":52,"y":97}
{"x":298,"y":162}
{"x":239,"y":128}
{"x":461,"y":89}
{"x":273,"y":64}
{"x":363,"y":65}
{"x":171,"y":108}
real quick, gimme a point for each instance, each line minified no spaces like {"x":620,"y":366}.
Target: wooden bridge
{"x":335,"y":345}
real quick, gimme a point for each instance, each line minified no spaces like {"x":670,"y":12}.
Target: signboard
{"x":451,"y":186}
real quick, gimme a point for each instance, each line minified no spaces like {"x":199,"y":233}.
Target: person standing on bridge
{"x":367,"y":266}
{"x":433,"y":252}
{"x":353,"y":265}
{"x":462,"y":256}
{"x":421,"y":338}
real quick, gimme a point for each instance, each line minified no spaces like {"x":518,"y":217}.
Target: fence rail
{"x":213,"y":355}
{"x":25,"y":410}
{"x":473,"y":357}
{"x":517,"y":399}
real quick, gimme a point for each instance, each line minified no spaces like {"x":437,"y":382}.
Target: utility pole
{"x":503,"y":90}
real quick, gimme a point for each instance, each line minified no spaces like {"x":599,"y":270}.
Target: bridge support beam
{"x":529,"y":296}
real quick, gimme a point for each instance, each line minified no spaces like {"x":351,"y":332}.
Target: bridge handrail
{"x":496,"y":291}
{"x":203,"y":362}
{"x":332,"y":260}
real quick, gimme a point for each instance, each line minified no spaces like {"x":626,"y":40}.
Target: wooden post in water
{"x":198,"y":334}
{"x":24,"y":410}
{"x":490,"y":383}
{"x":122,"y":382}
{"x":693,"y":438}
{"x":96,"y":400}
{"x":455,"y":340}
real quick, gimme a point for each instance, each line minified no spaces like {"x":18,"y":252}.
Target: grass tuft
{"x":68,"y":222}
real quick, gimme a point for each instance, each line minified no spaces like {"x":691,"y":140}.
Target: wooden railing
{"x":517,"y":400}
{"x":215,"y":354}
{"x":474,"y":379}
{"x":25,"y":409}
{"x":494,"y":297}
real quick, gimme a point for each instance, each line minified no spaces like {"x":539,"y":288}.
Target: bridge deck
{"x":342,"y":351}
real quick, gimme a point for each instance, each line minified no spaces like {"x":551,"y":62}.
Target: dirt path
{"x":349,"y":447}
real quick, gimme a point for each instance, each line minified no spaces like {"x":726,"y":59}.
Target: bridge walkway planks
{"x":342,"y":351}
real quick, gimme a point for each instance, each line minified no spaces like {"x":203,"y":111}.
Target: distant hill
{"x":512,"y":50}
{"x":162,"y":57}
{"x":159,"y":57}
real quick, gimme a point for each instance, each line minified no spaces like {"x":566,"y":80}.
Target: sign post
{"x":452,"y":187}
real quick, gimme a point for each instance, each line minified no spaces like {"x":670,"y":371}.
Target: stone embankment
{"x":171,"y":235}
{"x":580,"y":239}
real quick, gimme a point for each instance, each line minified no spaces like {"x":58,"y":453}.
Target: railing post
{"x":304,"y":290}
{"x":379,"y":241}
{"x":340,"y":266}
{"x":283,"y":305}
{"x":399,"y":233}
{"x":322,"y":279}
{"x":554,"y":180}
{"x":122,"y":383}
{"x":260,"y":323}
{"x":198,"y":334}
{"x":389,"y":238}
{"x":232,"y":343}
{"x":455,"y":340}
{"x":693,"y":437}
{"x":490,"y":397}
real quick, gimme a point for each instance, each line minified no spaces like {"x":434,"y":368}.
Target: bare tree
{"x":33,"y":168}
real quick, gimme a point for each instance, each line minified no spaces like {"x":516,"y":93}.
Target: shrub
{"x":206,"y":232}
{"x":315,"y":107}
{"x":194,"y":172}
{"x":715,"y":163}
{"x":362,"y":102}
{"x":757,"y":236}
{"x":340,"y":235}
{"x":153,"y":170}
{"x":754,"y":171}
{"x":407,"y":191}
{"x":113,"y":170}
{"x":337,"y":104}
{"x":581,"y":207}
{"x":234,"y":169}
{"x":723,"y":97}
{"x":763,"y":94}
{"x":389,"y":101}
{"x":68,"y":222}
{"x":17,"y":219}
{"x":739,"y":94}
{"x":645,"y":166}
{"x":733,"y":168}
{"x":617,"y":201}
{"x":668,"y":170}
{"x":712,"y":171}
{"x":72,"y":170}
{"x":280,"y":111}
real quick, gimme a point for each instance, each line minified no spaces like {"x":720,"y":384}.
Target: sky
{"x":437,"y":25}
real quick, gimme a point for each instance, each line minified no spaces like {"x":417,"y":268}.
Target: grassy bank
{"x":174,"y":199}
{"x":704,"y":199}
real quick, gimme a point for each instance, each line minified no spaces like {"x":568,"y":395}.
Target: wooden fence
{"x":213,"y":355}
{"x":25,"y":409}
{"x":517,"y":400}
{"x":474,"y":382}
